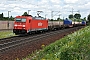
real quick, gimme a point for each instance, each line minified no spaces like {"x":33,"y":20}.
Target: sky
{"x":60,"y":8}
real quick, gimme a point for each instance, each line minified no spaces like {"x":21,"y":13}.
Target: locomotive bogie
{"x":19,"y":31}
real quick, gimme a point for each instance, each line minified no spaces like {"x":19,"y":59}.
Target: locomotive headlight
{"x":23,"y":28}
{"x":15,"y":25}
{"x":23,"y":25}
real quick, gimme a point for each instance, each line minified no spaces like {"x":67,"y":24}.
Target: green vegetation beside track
{"x":5,"y":34}
{"x":75,"y":46}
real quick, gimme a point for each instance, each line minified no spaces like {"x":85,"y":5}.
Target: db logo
{"x":40,"y":24}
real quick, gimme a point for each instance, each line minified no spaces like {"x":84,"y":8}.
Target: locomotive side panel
{"x":28,"y":24}
{"x":39,"y":25}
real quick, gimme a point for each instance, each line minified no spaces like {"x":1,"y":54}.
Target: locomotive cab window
{"x":20,"y":20}
{"x":23,"y":20}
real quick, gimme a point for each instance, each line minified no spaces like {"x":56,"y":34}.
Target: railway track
{"x":9,"y":43}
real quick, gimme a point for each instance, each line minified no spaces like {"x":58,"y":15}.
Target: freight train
{"x":29,"y":24}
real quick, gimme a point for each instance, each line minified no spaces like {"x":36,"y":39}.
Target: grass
{"x":5,"y":34}
{"x":75,"y":46}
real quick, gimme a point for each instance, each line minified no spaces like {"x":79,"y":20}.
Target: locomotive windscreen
{"x":20,"y":20}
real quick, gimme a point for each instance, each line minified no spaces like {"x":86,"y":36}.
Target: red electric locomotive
{"x":28,"y":24}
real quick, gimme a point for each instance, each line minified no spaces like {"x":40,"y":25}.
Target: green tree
{"x":88,"y":17}
{"x":84,"y":18}
{"x":58,"y":19}
{"x":77,"y":16}
{"x":70,"y":16}
{"x":1,"y":16}
{"x":11,"y":18}
{"x":51,"y":20}
{"x":25,"y":13}
{"x":5,"y":18}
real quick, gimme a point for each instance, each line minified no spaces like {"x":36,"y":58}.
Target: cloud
{"x":18,"y":7}
{"x":71,"y":1}
{"x":55,"y":1}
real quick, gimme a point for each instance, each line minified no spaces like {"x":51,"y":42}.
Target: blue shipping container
{"x":67,"y":22}
{"x":84,"y":22}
